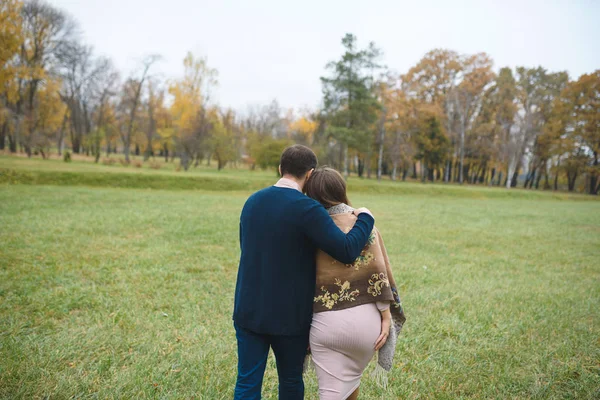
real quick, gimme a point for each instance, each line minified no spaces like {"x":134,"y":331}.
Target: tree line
{"x":449,"y":118}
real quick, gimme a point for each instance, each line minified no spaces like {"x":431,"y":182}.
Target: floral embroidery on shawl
{"x":365,"y":256}
{"x":344,"y":294}
{"x":376,"y":283}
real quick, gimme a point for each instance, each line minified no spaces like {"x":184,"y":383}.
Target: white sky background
{"x":277,"y":49}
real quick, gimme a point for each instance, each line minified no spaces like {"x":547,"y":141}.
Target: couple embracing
{"x":313,"y":273}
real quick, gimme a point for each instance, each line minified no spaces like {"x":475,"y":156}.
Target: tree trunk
{"x":166,"y":151}
{"x":3,"y":135}
{"x":515,"y":175}
{"x":594,"y":176}
{"x":456,"y":168}
{"x":404,"y":173}
{"x":76,"y":138}
{"x":59,"y":143}
{"x":368,"y":162}
{"x":414,"y":175}
{"x":513,"y":181}
{"x":483,"y":174}
{"x":535,"y":177}
{"x":61,"y":135}
{"x":345,"y":161}
{"x":571,"y":178}
{"x":394,"y":169}
{"x":381,"y":142}
{"x":556,"y":177}
{"x":12,"y":144}
{"x":126,"y":149}
{"x":527,"y":178}
{"x":360,"y":168}
{"x":185,"y":160}
{"x":546,"y":182}
{"x":537,"y":181}
{"x":380,"y":157}
{"x":447,"y":170}
{"x":462,"y":150}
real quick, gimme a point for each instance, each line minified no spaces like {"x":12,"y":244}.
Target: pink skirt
{"x":342,"y":343}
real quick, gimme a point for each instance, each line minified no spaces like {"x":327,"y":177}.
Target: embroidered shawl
{"x":369,"y":279}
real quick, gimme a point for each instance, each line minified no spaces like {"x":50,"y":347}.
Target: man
{"x":280,"y":231}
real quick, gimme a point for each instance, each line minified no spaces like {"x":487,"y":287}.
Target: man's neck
{"x":300,"y":182}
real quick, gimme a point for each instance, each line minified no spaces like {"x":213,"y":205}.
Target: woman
{"x":357,"y":310}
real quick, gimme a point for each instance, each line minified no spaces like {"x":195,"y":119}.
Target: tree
{"x":385,"y":93}
{"x":190,"y":99}
{"x":575,"y":129}
{"x":350,"y":105}
{"x":10,"y":38}
{"x":402,"y":124}
{"x":537,"y":152}
{"x":303,"y":130}
{"x":222,"y":137}
{"x":131,"y":99}
{"x":262,"y":124}
{"x":269,"y":153}
{"x":105,"y":88}
{"x":499,"y":111}
{"x":45,"y":31}
{"x":432,"y":144}
{"x":86,"y":81}
{"x":467,"y":97}
{"x":42,"y":125}
{"x":431,"y":81}
{"x":153,"y":104}
{"x":165,"y":131}
{"x":535,"y":92}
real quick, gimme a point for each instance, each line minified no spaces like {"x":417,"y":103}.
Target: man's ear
{"x":279,"y":168}
{"x":309,"y":173}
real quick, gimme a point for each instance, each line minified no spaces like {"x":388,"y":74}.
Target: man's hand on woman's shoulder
{"x":361,"y":210}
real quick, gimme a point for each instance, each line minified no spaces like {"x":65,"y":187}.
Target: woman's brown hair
{"x":327,"y":186}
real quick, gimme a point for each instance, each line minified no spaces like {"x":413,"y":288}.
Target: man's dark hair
{"x":297,"y":160}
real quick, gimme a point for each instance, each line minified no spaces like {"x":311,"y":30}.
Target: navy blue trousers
{"x":253,"y":349}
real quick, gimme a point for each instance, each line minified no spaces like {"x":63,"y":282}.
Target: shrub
{"x":124,"y":162}
{"x":137,"y":163}
{"x":67,"y":156}
{"x":155,"y":165}
{"x":108,"y":161}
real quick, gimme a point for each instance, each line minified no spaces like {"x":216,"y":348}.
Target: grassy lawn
{"x":128,"y":293}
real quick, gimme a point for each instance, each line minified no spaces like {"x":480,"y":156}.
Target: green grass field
{"x":114,"y":286}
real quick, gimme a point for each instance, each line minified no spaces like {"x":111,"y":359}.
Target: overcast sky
{"x":277,"y":49}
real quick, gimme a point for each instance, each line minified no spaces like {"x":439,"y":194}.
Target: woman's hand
{"x":386,"y":320}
